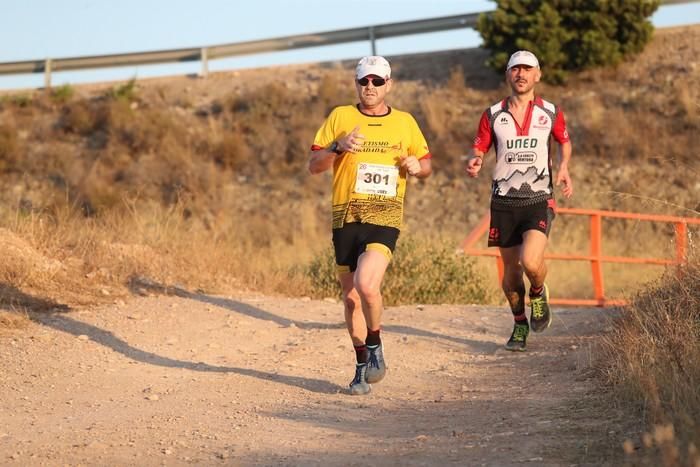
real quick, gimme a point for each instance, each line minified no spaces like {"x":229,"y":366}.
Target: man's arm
{"x":475,"y":161}
{"x":419,"y":168}
{"x":563,"y":177}
{"x":321,"y":159}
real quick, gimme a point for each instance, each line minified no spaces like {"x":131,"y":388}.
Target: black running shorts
{"x":508,"y":223}
{"x":353,"y":239}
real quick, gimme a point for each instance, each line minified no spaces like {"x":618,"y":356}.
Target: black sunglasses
{"x":376,"y":82}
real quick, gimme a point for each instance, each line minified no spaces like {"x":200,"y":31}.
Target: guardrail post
{"x":596,"y":262}
{"x":681,"y":242}
{"x":47,"y":73}
{"x":372,"y":40}
{"x":203,"y":56}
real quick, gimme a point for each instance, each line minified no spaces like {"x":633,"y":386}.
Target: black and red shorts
{"x":508,"y":223}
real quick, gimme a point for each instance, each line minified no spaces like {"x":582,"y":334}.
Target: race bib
{"x":376,"y":179}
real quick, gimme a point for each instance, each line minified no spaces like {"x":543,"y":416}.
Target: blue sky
{"x":39,"y":29}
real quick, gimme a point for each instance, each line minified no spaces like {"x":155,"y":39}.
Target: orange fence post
{"x":681,"y":242}
{"x":596,"y":254}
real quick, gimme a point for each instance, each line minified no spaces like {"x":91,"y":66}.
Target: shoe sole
{"x":354,"y":393}
{"x":515,"y":349}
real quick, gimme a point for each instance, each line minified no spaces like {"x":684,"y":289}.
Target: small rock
{"x":83,"y":337}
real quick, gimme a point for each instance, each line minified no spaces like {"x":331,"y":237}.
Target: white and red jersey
{"x":523,"y":171}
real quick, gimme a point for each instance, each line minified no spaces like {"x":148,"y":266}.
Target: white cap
{"x":523,"y":57}
{"x":373,"y":65}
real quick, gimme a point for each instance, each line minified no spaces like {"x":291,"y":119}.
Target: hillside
{"x":212,"y":152}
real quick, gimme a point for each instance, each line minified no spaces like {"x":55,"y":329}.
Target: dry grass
{"x":652,"y":357}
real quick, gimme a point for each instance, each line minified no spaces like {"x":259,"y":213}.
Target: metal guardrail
{"x":204,"y":54}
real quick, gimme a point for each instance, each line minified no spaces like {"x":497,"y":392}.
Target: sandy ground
{"x":193,"y":379}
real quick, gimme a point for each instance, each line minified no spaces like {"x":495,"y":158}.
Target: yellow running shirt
{"x":369,"y":185}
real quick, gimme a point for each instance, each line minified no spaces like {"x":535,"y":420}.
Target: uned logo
{"x":543,"y":120}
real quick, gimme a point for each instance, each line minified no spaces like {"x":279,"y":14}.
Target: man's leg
{"x":354,"y":317}
{"x":532,"y":260}
{"x":357,"y":328}
{"x":371,"y":267}
{"x":514,"y":290}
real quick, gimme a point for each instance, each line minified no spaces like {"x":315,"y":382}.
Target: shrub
{"x":567,"y":35}
{"x":421,"y":271}
{"x":125,"y":91}
{"x":62,"y":94}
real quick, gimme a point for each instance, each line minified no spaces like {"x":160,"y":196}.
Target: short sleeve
{"x":327,"y":133}
{"x":482,"y":140}
{"x":559,"y":131}
{"x":419,"y":146}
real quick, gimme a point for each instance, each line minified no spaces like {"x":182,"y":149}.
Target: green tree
{"x":567,"y":35}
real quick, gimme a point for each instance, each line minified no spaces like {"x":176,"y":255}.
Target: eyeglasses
{"x":376,"y":82}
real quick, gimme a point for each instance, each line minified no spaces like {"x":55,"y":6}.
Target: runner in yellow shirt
{"x":372,"y":149}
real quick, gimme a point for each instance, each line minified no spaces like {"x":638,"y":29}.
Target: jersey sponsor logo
{"x":521,"y":157}
{"x":521,"y":143}
{"x":542,"y":123}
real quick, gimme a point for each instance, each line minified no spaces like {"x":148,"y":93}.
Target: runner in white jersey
{"x":520,"y":128}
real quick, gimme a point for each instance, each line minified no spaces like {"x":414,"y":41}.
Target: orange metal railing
{"x":596,"y":257}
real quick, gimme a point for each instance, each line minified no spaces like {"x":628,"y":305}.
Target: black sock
{"x":373,"y":338}
{"x":361,"y":353}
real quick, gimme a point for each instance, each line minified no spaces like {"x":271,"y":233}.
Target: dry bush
{"x":652,"y":356}
{"x":10,"y":149}
{"x":422,"y":270}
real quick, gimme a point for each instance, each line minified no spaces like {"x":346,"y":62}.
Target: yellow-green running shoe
{"x":540,"y":314}
{"x":518,"y":339}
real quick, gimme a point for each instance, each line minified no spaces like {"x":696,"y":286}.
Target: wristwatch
{"x":334,"y":148}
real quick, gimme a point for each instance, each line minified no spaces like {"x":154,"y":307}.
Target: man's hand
{"x":352,"y":142}
{"x":564,"y":180}
{"x":411,"y":164}
{"x":474,"y":164}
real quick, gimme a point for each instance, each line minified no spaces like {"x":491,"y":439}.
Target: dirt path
{"x":203,"y":380}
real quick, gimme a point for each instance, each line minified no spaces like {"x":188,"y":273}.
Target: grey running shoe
{"x":540,"y":314}
{"x":359,"y":385}
{"x":376,"y":367}
{"x":518,"y":339}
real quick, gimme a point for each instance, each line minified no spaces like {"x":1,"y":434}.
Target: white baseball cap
{"x":373,"y":65}
{"x":523,"y":57}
